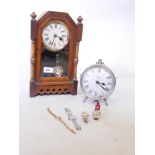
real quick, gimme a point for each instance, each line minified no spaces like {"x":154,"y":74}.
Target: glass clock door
{"x":54,"y":64}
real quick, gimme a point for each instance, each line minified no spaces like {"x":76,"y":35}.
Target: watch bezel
{"x":105,"y":68}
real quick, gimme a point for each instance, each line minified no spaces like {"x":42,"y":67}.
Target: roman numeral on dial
{"x":95,"y":93}
{"x":63,"y":35}
{"x":51,"y":26}
{"x":90,"y":91}
{"x":45,"y":34}
{"x":109,"y":83}
{"x":86,"y":81}
{"x":46,"y":39}
{"x":50,"y":43}
{"x":109,"y":77}
{"x":86,"y":86}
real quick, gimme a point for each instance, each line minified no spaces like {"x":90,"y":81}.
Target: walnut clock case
{"x":55,"y":41}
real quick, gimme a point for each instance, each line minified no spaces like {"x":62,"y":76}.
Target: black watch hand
{"x":97,"y":82}
{"x":102,"y":84}
{"x":60,"y":38}
{"x":54,"y":38}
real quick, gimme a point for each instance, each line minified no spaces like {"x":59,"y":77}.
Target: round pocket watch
{"x":97,"y":82}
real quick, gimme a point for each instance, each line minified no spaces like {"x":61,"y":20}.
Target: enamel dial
{"x":97,"y":82}
{"x":55,"y":36}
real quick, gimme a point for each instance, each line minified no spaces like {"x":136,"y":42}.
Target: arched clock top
{"x":52,"y":15}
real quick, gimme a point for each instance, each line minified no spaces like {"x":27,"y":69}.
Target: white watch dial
{"x":55,"y":36}
{"x":97,"y":82}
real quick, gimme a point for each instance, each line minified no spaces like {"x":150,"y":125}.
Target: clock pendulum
{"x":58,"y":69}
{"x":97,"y":82}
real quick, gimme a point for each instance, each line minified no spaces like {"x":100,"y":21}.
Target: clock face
{"x":55,"y":36}
{"x":97,"y":82}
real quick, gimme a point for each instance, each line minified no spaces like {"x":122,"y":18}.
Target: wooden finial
{"x":33,"y":15}
{"x":79,"y":19}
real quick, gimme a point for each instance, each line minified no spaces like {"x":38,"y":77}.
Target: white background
{"x":15,"y":36}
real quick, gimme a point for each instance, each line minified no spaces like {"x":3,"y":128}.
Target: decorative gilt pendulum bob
{"x":55,"y":41}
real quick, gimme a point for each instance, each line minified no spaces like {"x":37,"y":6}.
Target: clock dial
{"x":55,"y":36}
{"x":97,"y":82}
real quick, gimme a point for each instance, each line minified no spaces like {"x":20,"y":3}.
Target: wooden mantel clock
{"x":55,"y":41}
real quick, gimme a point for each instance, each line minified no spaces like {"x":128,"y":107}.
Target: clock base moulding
{"x":38,"y":88}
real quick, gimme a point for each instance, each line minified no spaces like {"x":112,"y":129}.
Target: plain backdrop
{"x":108,"y":34}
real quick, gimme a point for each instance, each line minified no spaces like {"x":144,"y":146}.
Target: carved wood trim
{"x":33,"y":60}
{"x":33,"y":45}
{"x":76,"y":61}
{"x":47,"y":85}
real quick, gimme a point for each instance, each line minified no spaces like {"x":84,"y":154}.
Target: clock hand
{"x":54,"y":38}
{"x":106,"y":89}
{"x":97,"y":82}
{"x":60,"y":38}
{"x":101,"y":85}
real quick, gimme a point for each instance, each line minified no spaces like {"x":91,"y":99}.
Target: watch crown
{"x":100,"y":62}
